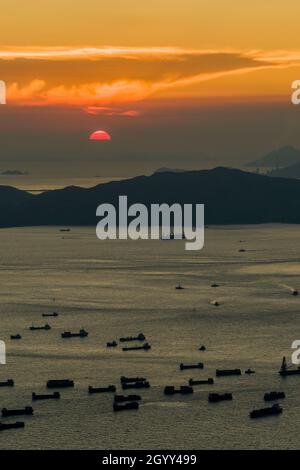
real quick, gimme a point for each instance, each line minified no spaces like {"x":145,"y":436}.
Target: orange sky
{"x":105,"y":77}
{"x":95,"y":54}
{"x":267,"y":24}
{"x":204,"y":79}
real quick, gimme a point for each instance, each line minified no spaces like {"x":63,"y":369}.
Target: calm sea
{"x":116,"y":288}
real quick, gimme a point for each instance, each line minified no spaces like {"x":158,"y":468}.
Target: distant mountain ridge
{"x":169,"y":170}
{"x":230,"y":196}
{"x":292,"y":171}
{"x":282,"y":157}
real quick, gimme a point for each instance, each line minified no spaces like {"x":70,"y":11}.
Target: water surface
{"x":115,"y":288}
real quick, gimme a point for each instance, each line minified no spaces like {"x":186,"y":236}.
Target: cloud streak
{"x":103,"y":52}
{"x":101,"y":79}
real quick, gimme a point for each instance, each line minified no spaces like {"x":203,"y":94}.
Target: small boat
{"x":17,"y":425}
{"x":184,"y":390}
{"x":132,"y":405}
{"x":65,"y":230}
{"x":122,"y":398}
{"x":111,"y":344}
{"x":61,"y":383}
{"x":169,"y":390}
{"x":128,"y":385}
{"x":124,"y":379}
{"x":200,"y":365}
{"x":202,"y":348}
{"x":145,"y":347}
{"x":295,"y":292}
{"x":15,"y":336}
{"x":28,"y":410}
{"x":274,"y":396}
{"x":47,"y":396}
{"x":249,"y":371}
{"x":139,"y":337}
{"x":179,"y":287}
{"x":54,"y":314}
{"x":82,"y":334}
{"x":227,"y":372}
{"x":7,"y":383}
{"x":285,"y":371}
{"x":201,"y":382}
{"x":110,"y":388}
{"x":214,"y":285}
{"x":273,"y":410}
{"x":215,"y":397}
{"x":35,"y":328}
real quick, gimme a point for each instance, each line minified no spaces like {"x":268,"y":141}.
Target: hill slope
{"x":230,"y":196}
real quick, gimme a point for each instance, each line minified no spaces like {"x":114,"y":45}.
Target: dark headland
{"x":230,"y":196}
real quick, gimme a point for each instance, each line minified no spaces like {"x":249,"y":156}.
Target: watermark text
{"x":2,"y":353}
{"x":2,"y":92}
{"x":161,"y":221}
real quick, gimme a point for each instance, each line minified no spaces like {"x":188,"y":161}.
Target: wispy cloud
{"x":102,"y":52}
{"x":112,"y":111}
{"x":100,"y":79}
{"x":91,"y":95}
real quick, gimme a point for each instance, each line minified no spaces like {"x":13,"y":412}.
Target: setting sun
{"x":100,"y":135}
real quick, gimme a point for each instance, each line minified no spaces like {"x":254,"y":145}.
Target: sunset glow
{"x":166,"y":78}
{"x":100,"y":77}
{"x":100,"y":135}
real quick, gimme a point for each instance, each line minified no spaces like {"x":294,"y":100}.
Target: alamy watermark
{"x":2,"y":92}
{"x":162,"y":221}
{"x":2,"y":353}
{"x":296,"y":354}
